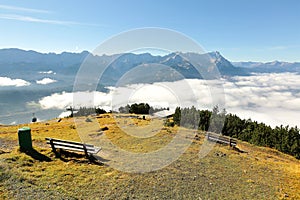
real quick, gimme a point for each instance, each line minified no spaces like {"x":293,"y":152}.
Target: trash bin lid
{"x":25,"y":128}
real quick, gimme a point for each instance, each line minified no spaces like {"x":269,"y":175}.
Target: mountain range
{"x":17,"y":63}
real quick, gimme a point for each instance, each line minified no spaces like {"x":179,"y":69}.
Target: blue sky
{"x":242,"y":30}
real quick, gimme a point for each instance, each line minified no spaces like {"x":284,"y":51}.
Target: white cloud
{"x":46,"y":81}
{"x":57,"y":100}
{"x":5,"y":81}
{"x":270,"y":98}
{"x":66,"y":99}
{"x":33,"y":105}
{"x":47,"y":72}
{"x":65,"y":114}
{"x":39,"y":20}
{"x":15,"y":8}
{"x":34,"y":19}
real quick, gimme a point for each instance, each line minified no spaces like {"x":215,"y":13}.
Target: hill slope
{"x":262,"y":173}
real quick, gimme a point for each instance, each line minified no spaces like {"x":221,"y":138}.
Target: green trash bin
{"x":24,"y":135}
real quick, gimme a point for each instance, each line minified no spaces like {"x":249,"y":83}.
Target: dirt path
{"x":7,"y":145}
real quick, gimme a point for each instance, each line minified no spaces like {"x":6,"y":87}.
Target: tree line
{"x":85,"y":111}
{"x":141,"y":108}
{"x":283,"y":138}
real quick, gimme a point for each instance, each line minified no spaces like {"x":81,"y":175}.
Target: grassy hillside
{"x":261,"y":173}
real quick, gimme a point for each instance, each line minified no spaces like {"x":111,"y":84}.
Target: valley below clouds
{"x":272,"y":98}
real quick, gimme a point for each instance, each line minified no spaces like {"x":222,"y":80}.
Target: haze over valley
{"x":33,"y":82}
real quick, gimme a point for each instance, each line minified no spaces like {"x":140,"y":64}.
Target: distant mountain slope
{"x":10,"y":56}
{"x":275,"y":66}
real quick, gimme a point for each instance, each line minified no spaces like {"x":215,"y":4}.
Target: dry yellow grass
{"x":262,"y":173}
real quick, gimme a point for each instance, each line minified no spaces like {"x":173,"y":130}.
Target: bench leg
{"x":54,"y":149}
{"x":87,"y":155}
{"x":85,"y":151}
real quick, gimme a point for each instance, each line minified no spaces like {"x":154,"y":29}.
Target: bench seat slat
{"x":218,"y":140}
{"x":75,"y":147}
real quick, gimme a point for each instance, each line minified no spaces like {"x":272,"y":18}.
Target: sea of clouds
{"x":270,"y":98}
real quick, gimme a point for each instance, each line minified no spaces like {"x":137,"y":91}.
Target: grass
{"x":262,"y":173}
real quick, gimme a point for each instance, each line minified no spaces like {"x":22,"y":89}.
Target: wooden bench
{"x":221,"y":139}
{"x":88,"y":149}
